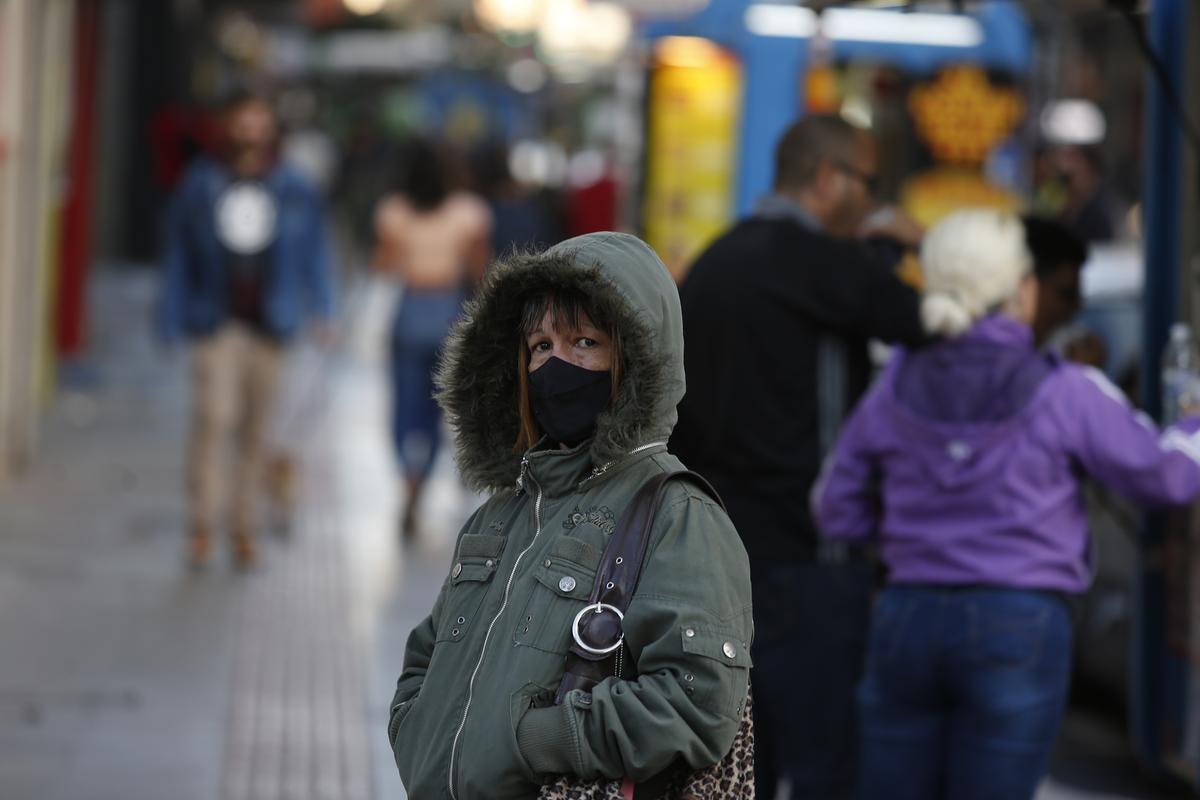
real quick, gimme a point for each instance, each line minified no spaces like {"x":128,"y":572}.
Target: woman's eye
{"x":540,"y":347}
{"x":586,"y":342}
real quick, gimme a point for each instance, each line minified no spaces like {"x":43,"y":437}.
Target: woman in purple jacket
{"x":965,"y":459}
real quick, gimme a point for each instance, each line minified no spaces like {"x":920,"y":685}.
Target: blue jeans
{"x":963,"y":693}
{"x":810,"y":631}
{"x":422,"y":322}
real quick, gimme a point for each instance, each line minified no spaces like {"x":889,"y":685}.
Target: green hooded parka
{"x":473,"y":714}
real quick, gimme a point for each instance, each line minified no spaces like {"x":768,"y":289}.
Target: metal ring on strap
{"x":598,"y":608}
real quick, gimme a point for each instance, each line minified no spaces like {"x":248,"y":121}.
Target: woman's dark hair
{"x":1053,"y":245}
{"x":422,"y":175}
{"x":567,"y":309}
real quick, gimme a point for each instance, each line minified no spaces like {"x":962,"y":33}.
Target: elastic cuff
{"x":546,"y":739}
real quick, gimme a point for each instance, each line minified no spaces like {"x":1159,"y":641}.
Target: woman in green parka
{"x":560,"y":384}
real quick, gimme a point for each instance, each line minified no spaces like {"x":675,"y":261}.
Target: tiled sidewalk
{"x":123,"y":675}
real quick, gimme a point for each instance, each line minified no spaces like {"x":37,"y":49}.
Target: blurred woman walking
{"x":435,"y":241}
{"x":966,"y":460}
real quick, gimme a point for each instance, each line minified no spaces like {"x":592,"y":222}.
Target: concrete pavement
{"x":127,"y":676}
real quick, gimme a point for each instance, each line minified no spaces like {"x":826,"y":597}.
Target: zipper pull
{"x":596,"y":473}
{"x":521,"y":475}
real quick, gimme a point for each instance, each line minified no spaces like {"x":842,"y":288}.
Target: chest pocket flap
{"x":572,"y":563}
{"x":565,"y":579}
{"x":475,"y":565}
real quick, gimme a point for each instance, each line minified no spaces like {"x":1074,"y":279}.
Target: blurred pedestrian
{"x":1088,"y":208}
{"x":246,"y":267}
{"x":1058,"y":258}
{"x":965,"y":463}
{"x":777,"y":317}
{"x":562,"y":387}
{"x":435,"y":241}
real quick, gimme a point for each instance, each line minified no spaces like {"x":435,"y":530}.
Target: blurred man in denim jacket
{"x":246,"y":267}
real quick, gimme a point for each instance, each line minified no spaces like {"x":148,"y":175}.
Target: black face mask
{"x":567,"y":399}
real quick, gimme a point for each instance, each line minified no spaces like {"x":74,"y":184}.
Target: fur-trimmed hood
{"x":477,"y":382}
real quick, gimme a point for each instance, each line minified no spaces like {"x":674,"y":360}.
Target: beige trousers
{"x":234,"y":380}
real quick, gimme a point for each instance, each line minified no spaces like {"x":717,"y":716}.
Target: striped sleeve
{"x":1120,"y":446}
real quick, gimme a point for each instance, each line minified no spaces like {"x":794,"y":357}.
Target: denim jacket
{"x":194,"y":299}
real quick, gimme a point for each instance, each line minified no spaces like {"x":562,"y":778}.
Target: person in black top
{"x":778,"y":313}
{"x":1058,"y":258}
{"x":1088,"y":210}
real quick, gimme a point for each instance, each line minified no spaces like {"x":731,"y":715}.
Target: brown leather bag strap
{"x":597,"y":633}
{"x":621,"y":567}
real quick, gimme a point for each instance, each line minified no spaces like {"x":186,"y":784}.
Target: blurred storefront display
{"x":962,"y":118}
{"x":692,"y":120}
{"x":44,"y":164}
{"x":940,"y":91}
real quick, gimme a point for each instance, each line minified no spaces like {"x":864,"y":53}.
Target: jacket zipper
{"x":537,"y":517}
{"x":598,"y":471}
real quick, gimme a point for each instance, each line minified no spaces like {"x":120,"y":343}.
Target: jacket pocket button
{"x":690,"y":632}
{"x":567,"y":584}
{"x":729,"y":650}
{"x":457,"y":571}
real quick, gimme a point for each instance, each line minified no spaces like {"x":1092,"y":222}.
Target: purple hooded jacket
{"x":966,"y":458}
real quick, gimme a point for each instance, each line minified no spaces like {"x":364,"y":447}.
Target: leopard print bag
{"x":732,"y":778}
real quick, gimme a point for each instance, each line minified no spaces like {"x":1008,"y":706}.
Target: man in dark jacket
{"x":246,"y":267}
{"x":777,"y":316}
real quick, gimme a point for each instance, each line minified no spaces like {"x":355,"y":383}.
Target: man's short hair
{"x":1052,"y":245}
{"x":809,"y":141}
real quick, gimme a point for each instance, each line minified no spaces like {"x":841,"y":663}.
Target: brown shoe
{"x":199,"y":548}
{"x":245,"y":551}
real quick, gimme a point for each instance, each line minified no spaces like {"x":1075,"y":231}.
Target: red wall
{"x":76,"y":251}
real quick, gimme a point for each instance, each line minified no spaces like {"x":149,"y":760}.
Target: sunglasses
{"x":871,"y":182}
